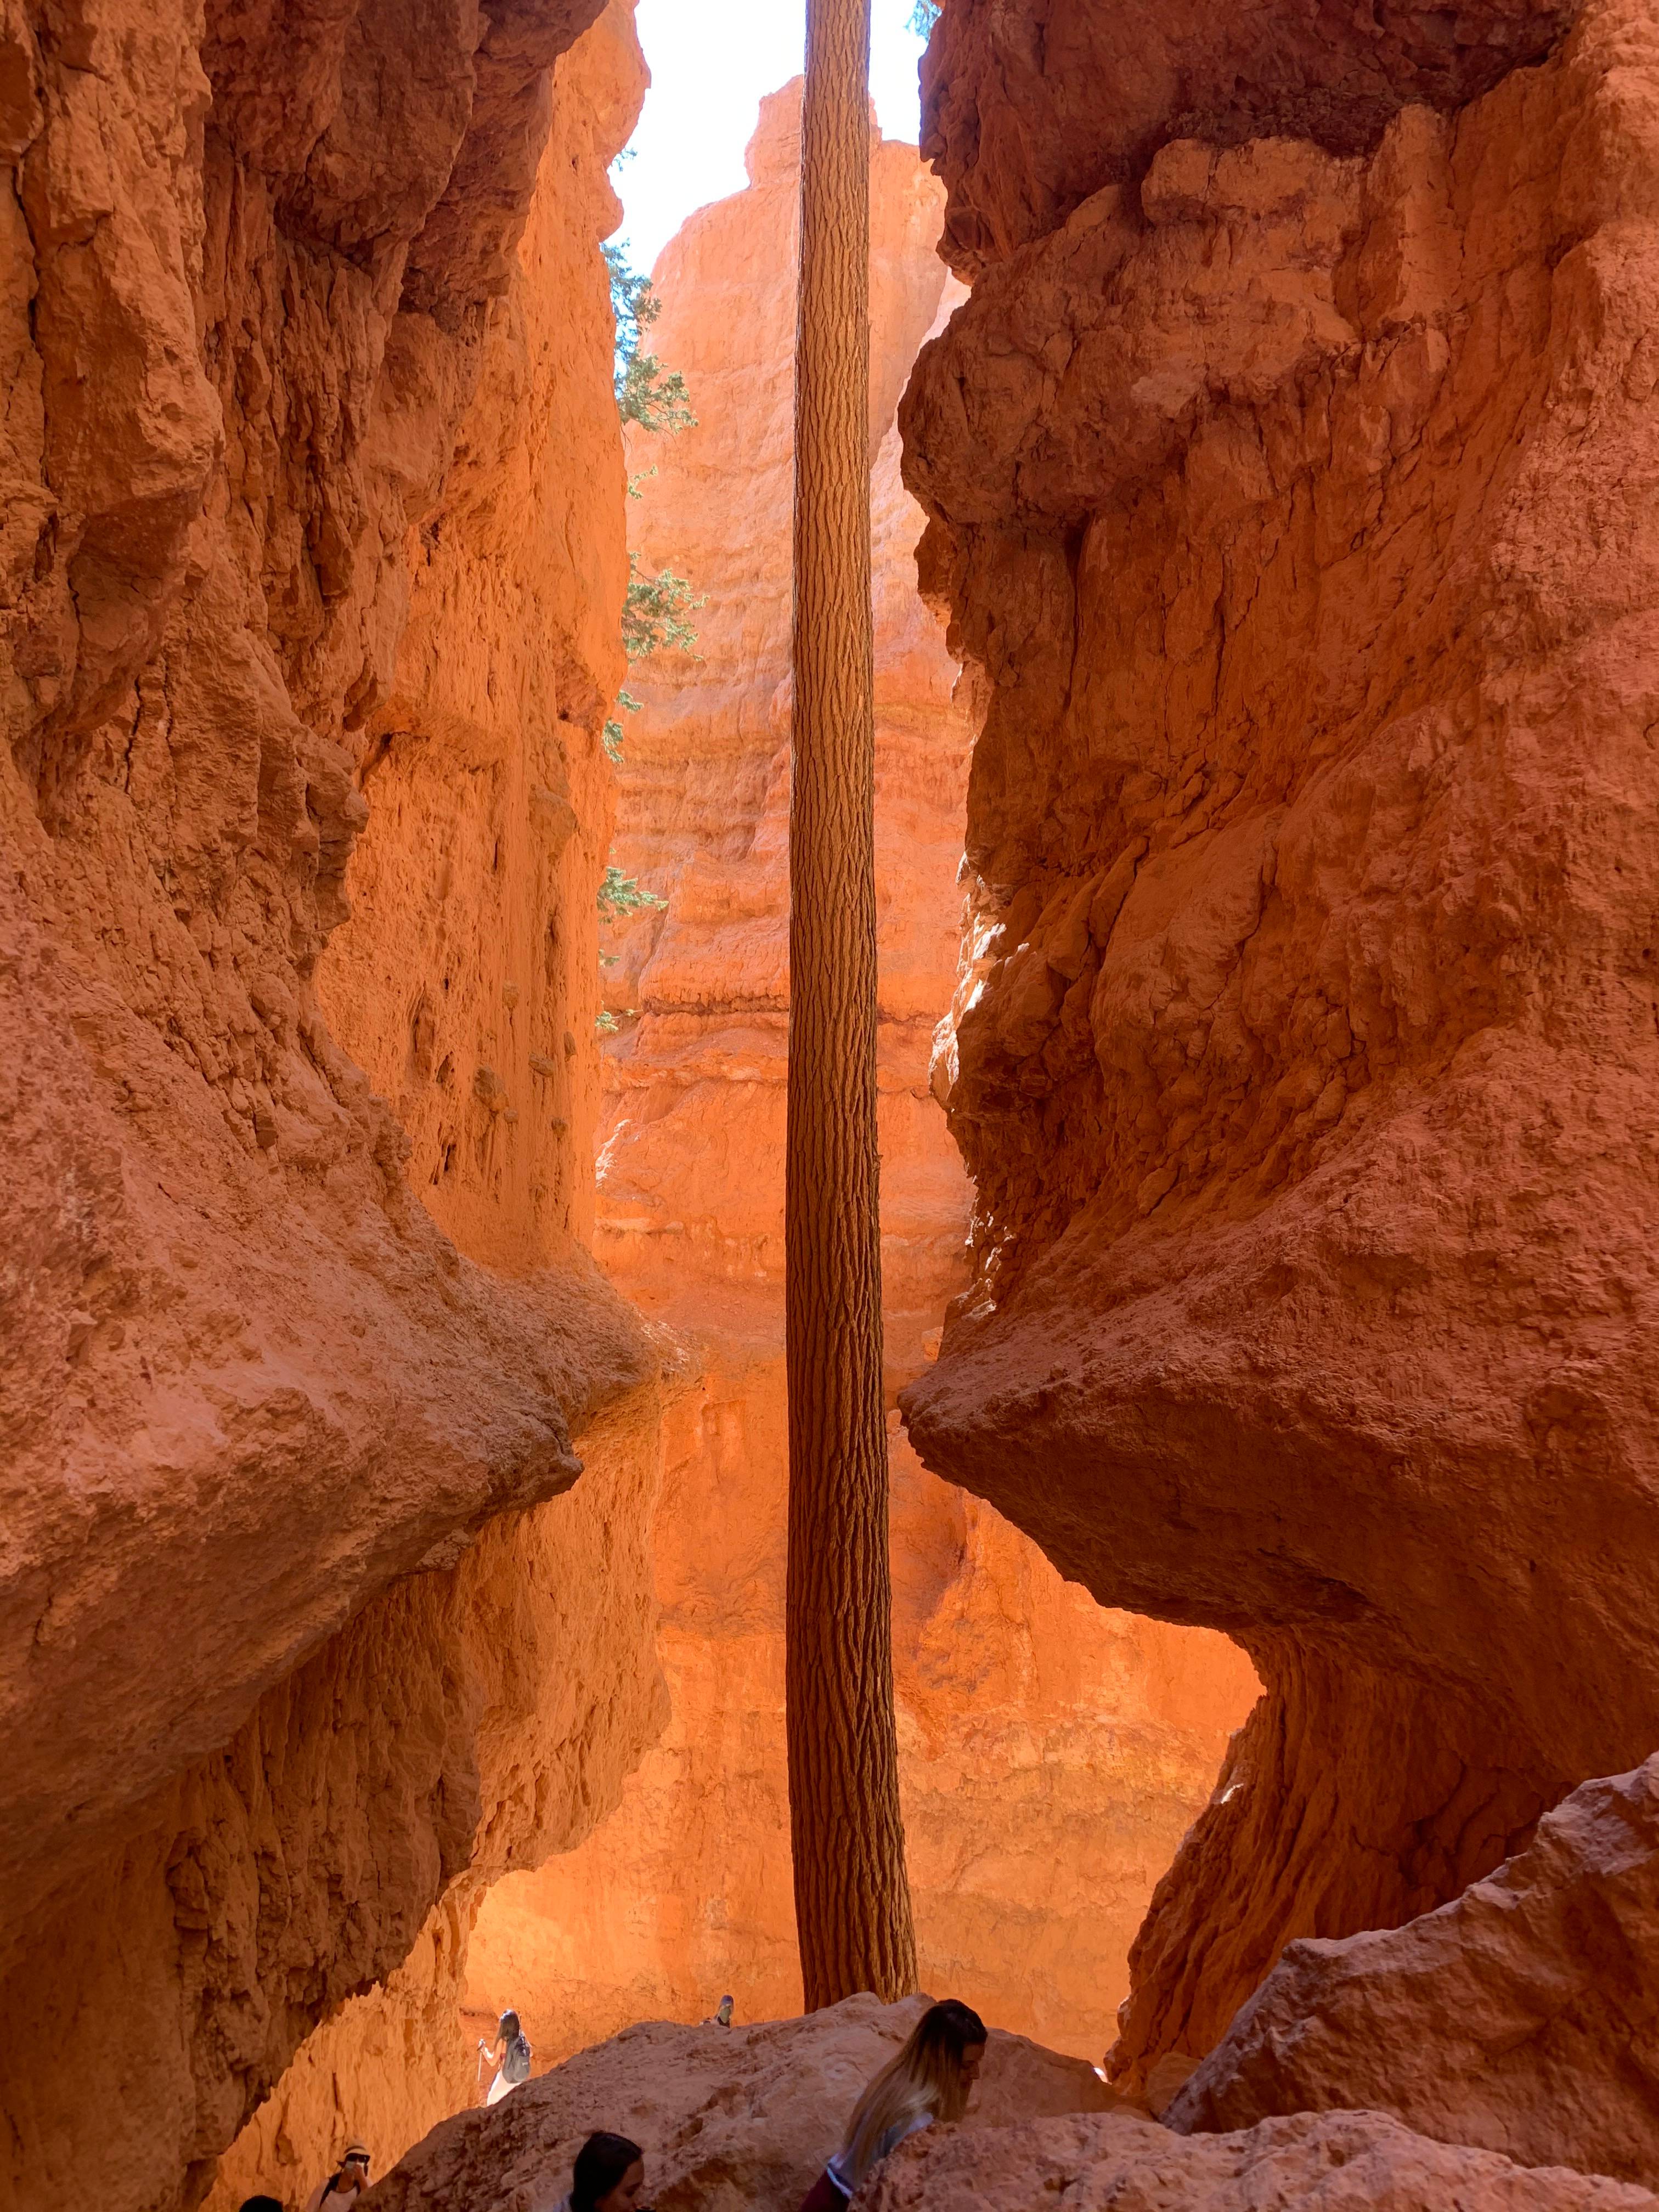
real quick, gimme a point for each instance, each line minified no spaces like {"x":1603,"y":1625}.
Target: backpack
{"x":515,"y":2063}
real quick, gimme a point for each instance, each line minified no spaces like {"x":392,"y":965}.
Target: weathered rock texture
{"x":465,"y":978}
{"x":1524,"y":2016}
{"x":1292,"y":494}
{"x":726,"y":2118}
{"x":385,"y":2068}
{"x":499,"y":1711}
{"x":263,"y":269}
{"x":1031,"y":109}
{"x":1053,"y":1754}
{"x":1334,"y":2161}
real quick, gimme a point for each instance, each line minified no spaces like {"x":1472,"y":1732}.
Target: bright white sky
{"x":709,"y":66}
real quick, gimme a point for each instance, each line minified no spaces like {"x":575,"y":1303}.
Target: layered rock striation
{"x":1053,"y":1754}
{"x":1285,"y":474}
{"x":278,"y":1451}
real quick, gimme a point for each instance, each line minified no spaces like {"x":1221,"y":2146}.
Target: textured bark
{"x":852,"y":1902}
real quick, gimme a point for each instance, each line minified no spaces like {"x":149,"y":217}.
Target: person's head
{"x":509,"y":2030}
{"x":261,"y":2204}
{"x":353,"y":2168}
{"x":934,"y":2073}
{"x":610,"y":2175}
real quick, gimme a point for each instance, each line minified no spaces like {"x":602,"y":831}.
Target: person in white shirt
{"x":510,"y":2057}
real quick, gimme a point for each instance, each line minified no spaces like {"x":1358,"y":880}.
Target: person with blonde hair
{"x":931,"y":2079}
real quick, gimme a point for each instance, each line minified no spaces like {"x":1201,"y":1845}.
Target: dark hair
{"x":951,"y":2028}
{"x":509,"y":2027}
{"x":261,"y":2204}
{"x":600,"y":2164}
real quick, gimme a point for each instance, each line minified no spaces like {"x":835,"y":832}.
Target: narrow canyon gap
{"x":852,"y":1899}
{"x":1052,"y":1752}
{"x":1291,"y":479}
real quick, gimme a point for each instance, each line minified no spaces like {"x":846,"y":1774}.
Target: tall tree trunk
{"x":852,"y":1900}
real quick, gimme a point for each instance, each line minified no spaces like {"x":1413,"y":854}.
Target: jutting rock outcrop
{"x":1052,"y":1754}
{"x":277,"y":1455}
{"x":1288,"y":474}
{"x":1321,"y":2162}
{"x":1522,"y":2016}
{"x":726,"y":2118}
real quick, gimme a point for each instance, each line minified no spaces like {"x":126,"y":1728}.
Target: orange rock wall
{"x":1287,"y":474}
{"x":295,"y":1628}
{"x":1053,"y":1754}
{"x":543,"y":1670}
{"x":465,"y":980}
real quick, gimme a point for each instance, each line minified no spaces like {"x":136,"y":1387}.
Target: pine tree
{"x":852,"y":1899}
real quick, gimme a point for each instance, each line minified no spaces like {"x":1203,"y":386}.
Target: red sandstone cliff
{"x":1289,"y":476}
{"x":1053,"y":1754}
{"x":280,"y":384}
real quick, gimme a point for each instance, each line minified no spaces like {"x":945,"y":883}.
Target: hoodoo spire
{"x":852,"y":1899}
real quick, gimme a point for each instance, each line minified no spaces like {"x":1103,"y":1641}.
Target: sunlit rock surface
{"x":1524,"y":2016}
{"x":726,"y":2118}
{"x":1315,"y":2162}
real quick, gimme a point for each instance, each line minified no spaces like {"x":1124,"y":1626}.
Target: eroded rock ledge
{"x":1294,"y":496}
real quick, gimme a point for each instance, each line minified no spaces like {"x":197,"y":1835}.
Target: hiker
{"x":609,"y":2173}
{"x":721,"y":2017}
{"x":260,"y":2204}
{"x":931,"y":2079}
{"x":345,"y":2184}
{"x":510,"y":2057}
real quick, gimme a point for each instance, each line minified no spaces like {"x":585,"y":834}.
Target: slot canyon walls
{"x":1053,"y":1754}
{"x":313,"y":493}
{"x":1289,"y":475}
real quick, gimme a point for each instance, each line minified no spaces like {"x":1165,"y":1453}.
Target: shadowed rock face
{"x":1294,"y":504}
{"x":258,"y":266}
{"x":1315,"y":2162}
{"x":1029,"y":110}
{"x":1524,"y":2016}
